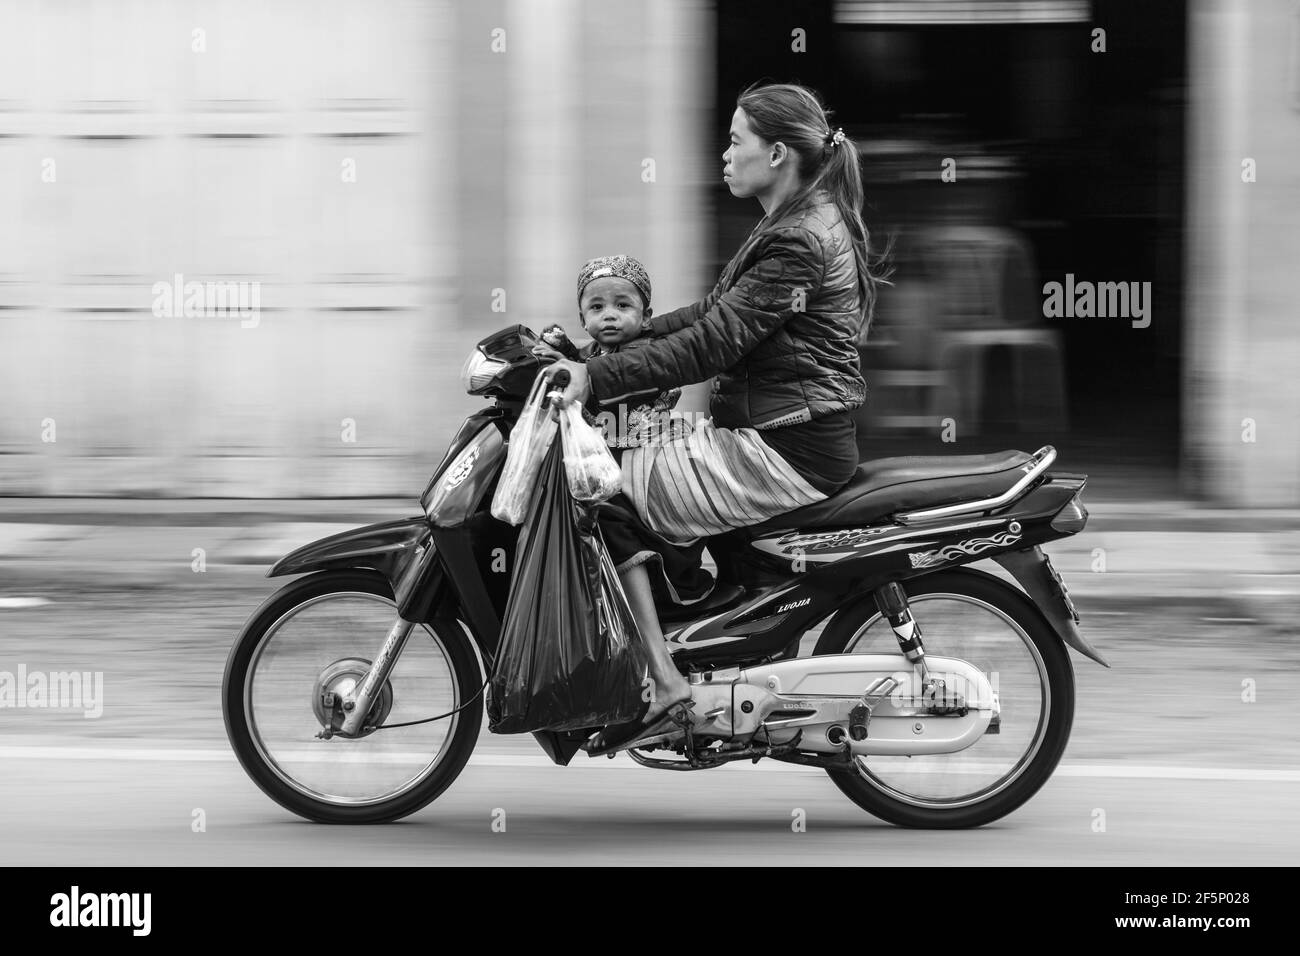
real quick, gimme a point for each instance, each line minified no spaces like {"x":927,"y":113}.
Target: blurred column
{"x":1241,"y":394}
{"x":544,"y":149}
{"x":679,"y":73}
{"x":606,"y":108}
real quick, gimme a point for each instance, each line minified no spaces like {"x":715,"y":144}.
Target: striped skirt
{"x":711,"y":481}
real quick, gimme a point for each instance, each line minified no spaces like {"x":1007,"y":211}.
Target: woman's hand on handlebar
{"x":578,"y":388}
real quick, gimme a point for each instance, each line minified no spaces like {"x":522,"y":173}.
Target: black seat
{"x":887,"y":486}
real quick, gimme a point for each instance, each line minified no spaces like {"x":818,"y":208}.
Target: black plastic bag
{"x":570,"y":655}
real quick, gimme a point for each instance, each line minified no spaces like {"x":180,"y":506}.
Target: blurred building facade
{"x":394,"y":180}
{"x":397,"y":180}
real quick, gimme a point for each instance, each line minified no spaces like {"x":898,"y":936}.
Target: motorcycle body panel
{"x":813,"y":697}
{"x":467,"y":477}
{"x":797,"y":578}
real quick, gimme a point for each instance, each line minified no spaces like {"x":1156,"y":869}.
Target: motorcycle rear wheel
{"x":312,"y":629}
{"x":974,"y":616}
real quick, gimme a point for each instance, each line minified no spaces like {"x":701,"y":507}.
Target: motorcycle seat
{"x":887,"y":486}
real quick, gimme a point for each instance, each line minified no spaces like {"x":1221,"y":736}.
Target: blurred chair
{"x":1037,"y":375}
{"x":908,"y":386}
{"x":985,"y":290}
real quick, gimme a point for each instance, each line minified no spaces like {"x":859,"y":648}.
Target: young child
{"x":614,"y":307}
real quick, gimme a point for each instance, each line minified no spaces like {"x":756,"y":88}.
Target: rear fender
{"x":1030,"y":569}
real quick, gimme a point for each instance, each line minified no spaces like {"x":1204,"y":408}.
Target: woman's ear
{"x":648,"y":312}
{"x":779,"y":153}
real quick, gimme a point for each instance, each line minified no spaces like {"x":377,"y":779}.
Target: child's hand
{"x":546,"y":353}
{"x":557,"y":343}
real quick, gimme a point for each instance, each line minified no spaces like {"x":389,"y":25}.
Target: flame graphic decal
{"x":928,"y":559}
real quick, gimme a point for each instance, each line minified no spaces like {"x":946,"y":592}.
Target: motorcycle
{"x":849,"y":635}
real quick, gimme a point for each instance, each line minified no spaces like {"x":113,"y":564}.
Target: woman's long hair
{"x":794,"y":115}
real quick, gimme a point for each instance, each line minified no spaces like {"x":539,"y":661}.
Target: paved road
{"x":68,"y":809}
{"x":1184,"y":769}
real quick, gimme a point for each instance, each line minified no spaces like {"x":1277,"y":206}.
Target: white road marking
{"x":17,"y":602}
{"x":111,"y":753}
{"x":623,"y":762}
{"x":1157,"y":772}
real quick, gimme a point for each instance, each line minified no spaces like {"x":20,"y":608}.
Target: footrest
{"x":859,"y":717}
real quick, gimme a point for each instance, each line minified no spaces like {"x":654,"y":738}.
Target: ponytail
{"x":841,"y":176}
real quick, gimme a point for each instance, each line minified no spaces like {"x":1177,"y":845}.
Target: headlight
{"x":478,"y":372}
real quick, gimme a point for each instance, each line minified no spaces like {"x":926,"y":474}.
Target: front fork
{"x":357,"y":704}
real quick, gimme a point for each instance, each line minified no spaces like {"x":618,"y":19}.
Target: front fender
{"x":387,"y":548}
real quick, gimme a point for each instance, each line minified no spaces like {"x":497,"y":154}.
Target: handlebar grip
{"x":561,"y":378}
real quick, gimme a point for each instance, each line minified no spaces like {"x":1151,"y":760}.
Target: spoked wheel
{"x":300,"y":654}
{"x":981,"y":619}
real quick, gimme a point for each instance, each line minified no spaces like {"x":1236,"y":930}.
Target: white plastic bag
{"x":593,"y":473}
{"x":529,"y":442}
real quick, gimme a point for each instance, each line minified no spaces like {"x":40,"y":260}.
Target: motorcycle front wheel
{"x":981,"y":619}
{"x":299,"y":653}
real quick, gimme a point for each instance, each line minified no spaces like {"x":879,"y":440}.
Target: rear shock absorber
{"x":892,"y":601}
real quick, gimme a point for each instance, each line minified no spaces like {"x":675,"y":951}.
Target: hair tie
{"x":836,"y":137}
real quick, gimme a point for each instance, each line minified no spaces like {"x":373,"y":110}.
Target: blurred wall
{"x":1241,"y":393}
{"x":388,"y":177}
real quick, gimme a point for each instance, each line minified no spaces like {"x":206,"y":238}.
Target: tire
{"x":1046,"y":658}
{"x":357,"y":589}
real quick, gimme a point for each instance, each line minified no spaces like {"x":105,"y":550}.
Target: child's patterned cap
{"x":622,"y":267}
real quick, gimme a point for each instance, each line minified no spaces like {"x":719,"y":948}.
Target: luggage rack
{"x":1039,"y":463}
